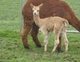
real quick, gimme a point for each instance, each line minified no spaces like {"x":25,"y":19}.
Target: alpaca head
{"x":36,"y":8}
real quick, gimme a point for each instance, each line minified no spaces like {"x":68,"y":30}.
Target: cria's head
{"x":36,"y":8}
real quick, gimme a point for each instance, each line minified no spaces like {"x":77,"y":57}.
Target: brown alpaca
{"x":55,"y":24}
{"x":50,"y":7}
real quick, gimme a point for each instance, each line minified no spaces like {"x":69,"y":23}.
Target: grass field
{"x":11,"y":47}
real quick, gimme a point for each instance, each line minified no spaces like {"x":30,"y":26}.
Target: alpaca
{"x":50,"y":7}
{"x":55,"y":23}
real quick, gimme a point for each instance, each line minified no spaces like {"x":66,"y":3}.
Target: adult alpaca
{"x":50,"y":7}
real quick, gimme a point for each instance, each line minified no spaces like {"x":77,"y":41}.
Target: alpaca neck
{"x":36,"y":19}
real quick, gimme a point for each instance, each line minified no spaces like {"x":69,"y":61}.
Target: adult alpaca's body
{"x":50,"y":7}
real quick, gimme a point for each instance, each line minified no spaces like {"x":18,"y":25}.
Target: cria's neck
{"x":36,"y":19}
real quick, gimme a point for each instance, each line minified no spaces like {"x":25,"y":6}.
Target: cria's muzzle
{"x":35,"y":12}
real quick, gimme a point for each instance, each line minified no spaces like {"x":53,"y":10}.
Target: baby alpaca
{"x":55,"y":23}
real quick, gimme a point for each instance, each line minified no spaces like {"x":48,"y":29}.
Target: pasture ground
{"x":11,"y":47}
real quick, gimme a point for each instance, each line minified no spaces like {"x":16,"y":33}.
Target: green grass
{"x":12,"y":50}
{"x":11,"y":47}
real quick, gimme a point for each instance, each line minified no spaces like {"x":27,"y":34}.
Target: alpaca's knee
{"x":45,"y":42}
{"x":56,"y":42}
{"x":66,"y":44}
{"x":66,"y":41}
{"x":45,"y":39}
{"x":34,"y":33}
{"x":22,"y":32}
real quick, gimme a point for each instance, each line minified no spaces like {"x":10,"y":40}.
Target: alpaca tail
{"x":65,"y":22}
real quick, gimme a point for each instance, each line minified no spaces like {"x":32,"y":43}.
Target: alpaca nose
{"x":34,"y":13}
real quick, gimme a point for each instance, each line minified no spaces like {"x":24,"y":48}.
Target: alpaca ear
{"x":31,"y":5}
{"x":41,"y":5}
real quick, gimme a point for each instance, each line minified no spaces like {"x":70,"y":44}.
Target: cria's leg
{"x":66,"y":42}
{"x":59,"y":45}
{"x":55,"y":45}
{"x":45,"y":43}
{"x":56,"y":34}
{"x":46,"y":34}
{"x":34,"y":34}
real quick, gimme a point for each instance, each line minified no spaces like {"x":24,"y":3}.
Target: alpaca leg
{"x":45,"y":42}
{"x":66,"y":42}
{"x":55,"y":45}
{"x":24,"y":34}
{"x":46,"y":34}
{"x":59,"y":45}
{"x":34,"y":35}
{"x":56,"y":34}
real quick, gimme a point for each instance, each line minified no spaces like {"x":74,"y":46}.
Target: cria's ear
{"x":41,"y":5}
{"x":31,"y":5}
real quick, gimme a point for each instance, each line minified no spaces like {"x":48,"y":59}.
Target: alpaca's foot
{"x":38,"y":46}
{"x":66,"y":52}
{"x":27,"y":47}
{"x":59,"y":49}
{"x":44,"y":52}
{"x":52,"y":53}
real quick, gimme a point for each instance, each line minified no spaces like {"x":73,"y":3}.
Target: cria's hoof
{"x":45,"y":52}
{"x":66,"y":52}
{"x":52,"y":52}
